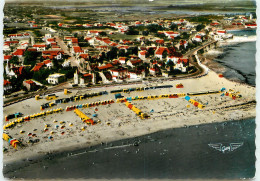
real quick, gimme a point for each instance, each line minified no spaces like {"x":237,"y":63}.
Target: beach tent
{"x":187,"y":98}
{"x":151,"y":111}
{"x":223,"y":89}
{"x":94,"y":115}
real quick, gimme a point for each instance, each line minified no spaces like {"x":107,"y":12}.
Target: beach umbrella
{"x":29,"y":134}
{"x":70,"y":124}
{"x":94,"y":115}
{"x":57,"y":126}
{"x":188,"y":106}
{"x":22,"y":131}
{"x":45,"y":129}
{"x":50,"y":137}
{"x":62,"y":127}
{"x":52,"y":132}
{"x":96,"y":109}
{"x":62,"y":133}
{"x":33,"y":135}
{"x":83,"y":128}
{"x":55,"y":121}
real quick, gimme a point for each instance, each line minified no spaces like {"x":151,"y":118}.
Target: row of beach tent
{"x":93,"y":104}
{"x":30,"y":117}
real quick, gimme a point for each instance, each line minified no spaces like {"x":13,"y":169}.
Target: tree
{"x":14,"y":60}
{"x":154,"y":28}
{"x":132,"y":31}
{"x":30,"y":58}
{"x":103,"y":33}
{"x":174,"y":27}
{"x":200,"y":27}
{"x":145,"y":33}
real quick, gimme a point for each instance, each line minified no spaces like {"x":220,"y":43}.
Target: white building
{"x":56,"y":78}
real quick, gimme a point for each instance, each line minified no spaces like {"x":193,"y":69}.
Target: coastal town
{"x":101,"y":53}
{"x":72,"y":83}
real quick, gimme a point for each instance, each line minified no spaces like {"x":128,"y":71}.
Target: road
{"x":189,"y":53}
{"x":64,"y":47}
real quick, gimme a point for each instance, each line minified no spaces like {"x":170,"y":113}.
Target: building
{"x":7,"y":86}
{"x":56,"y":78}
{"x":30,"y":85}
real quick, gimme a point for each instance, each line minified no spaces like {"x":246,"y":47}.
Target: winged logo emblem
{"x":220,"y":147}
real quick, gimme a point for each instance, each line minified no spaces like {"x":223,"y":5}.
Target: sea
{"x":240,"y":59}
{"x":181,"y":153}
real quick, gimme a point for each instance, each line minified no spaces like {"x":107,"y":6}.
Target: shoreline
{"x":70,"y":152}
{"x":112,"y":134}
{"x":123,"y":132}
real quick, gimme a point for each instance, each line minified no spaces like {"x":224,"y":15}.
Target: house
{"x":154,"y":70}
{"x":83,"y":78}
{"x":184,"y":43}
{"x":77,"y":50}
{"x":122,"y":60}
{"x":93,"y":33}
{"x":105,"y":67}
{"x":182,"y":65}
{"x":142,"y":54}
{"x":14,"y":71}
{"x":37,"y":67}
{"x":39,"y":47}
{"x":171,"y":33}
{"x":118,"y":73}
{"x":19,"y":53}
{"x":197,"y":38}
{"x":136,"y":74}
{"x":133,"y":63}
{"x":56,"y":78}
{"x":51,"y":54}
{"x":66,"y":63}
{"x":7,"y":86}
{"x":48,"y":63}
{"x":7,"y":57}
{"x":30,"y":85}
{"x":161,"y":52}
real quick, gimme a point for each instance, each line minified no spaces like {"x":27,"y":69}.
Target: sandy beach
{"x":124,"y":123}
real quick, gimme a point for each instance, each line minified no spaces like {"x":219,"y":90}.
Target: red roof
{"x":53,"y":52}
{"x":87,"y":75}
{"x":31,"y":50}
{"x":18,"y":70}
{"x":198,"y":36}
{"x":160,"y":41}
{"x":107,"y":66}
{"x":46,"y":61}
{"x":183,"y":60}
{"x":133,"y":62}
{"x":30,"y":82}
{"x":6,"y":82}
{"x":171,"y":32}
{"x":51,"y":39}
{"x":37,"y":68}
{"x":77,"y":49}
{"x":93,"y":31}
{"x":88,"y":38}
{"x":160,"y":50}
{"x":11,"y":42}
{"x":19,"y":52}
{"x":122,"y":58}
{"x":143,"y":52}
{"x":37,"y":45}
{"x":221,"y":31}
{"x":84,"y":55}
{"x":74,"y":40}
{"x":8,"y":57}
